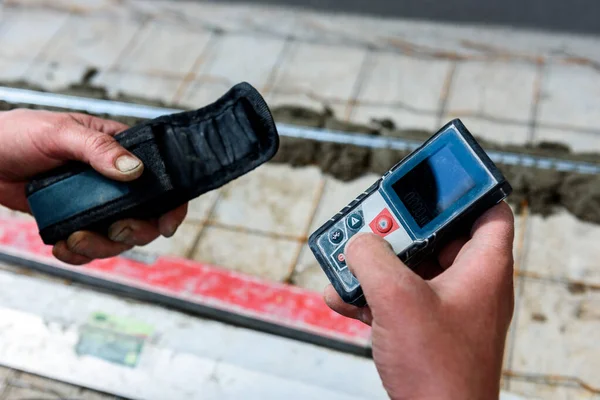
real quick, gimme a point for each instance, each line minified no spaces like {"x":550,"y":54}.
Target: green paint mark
{"x":114,"y":339}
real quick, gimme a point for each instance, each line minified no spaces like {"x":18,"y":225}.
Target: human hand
{"x":441,"y":337}
{"x":32,"y":142}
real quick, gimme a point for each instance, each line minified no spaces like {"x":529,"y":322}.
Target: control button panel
{"x":333,"y":243}
{"x":371,"y":215}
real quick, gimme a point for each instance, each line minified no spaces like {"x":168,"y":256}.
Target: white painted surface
{"x":237,"y":58}
{"x":91,"y":42}
{"x":267,"y":257}
{"x":30,"y":343}
{"x":162,"y":88}
{"x":493,"y":88}
{"x":275,"y":198}
{"x":337,"y":195}
{"x":326,"y":71}
{"x":563,"y":247}
{"x":166,"y":49}
{"x":570,"y":96}
{"x":557,"y":332}
{"x":497,"y":132}
{"x":187,"y":358}
{"x":401,"y":80}
{"x":12,"y":70}
{"x":24,"y":33}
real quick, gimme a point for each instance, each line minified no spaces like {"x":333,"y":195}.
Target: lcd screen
{"x":433,"y":185}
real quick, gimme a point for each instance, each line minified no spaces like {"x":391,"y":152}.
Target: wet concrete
{"x":542,"y":190}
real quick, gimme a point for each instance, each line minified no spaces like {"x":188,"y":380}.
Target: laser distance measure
{"x":424,"y":200}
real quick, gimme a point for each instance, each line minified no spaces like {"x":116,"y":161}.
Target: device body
{"x":420,"y":203}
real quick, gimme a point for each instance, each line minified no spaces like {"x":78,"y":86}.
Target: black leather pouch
{"x":185,"y":155}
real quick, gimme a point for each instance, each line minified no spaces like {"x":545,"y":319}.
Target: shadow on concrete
{"x":574,"y":16}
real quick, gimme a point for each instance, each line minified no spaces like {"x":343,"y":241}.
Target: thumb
{"x":101,"y":151}
{"x":383,"y":277}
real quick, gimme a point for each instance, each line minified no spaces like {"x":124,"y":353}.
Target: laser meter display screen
{"x":433,"y":185}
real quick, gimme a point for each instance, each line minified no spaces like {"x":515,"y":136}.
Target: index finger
{"x":107,"y":126}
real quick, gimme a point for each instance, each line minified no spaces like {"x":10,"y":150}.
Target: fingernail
{"x":127,"y":163}
{"x":121,"y":236}
{"x":364,"y":316}
{"x":78,"y":243}
{"x":170,"y":230}
{"x":59,"y":248}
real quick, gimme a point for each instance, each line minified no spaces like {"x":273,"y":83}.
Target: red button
{"x":384,"y":224}
{"x":341,"y":257}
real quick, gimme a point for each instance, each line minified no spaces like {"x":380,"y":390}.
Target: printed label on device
{"x":442,"y":185}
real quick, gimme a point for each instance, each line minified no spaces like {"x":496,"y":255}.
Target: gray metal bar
{"x":116,"y":108}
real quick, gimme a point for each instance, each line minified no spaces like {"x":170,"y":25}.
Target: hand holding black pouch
{"x":185,"y":155}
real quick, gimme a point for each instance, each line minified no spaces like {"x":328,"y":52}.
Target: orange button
{"x":384,"y":224}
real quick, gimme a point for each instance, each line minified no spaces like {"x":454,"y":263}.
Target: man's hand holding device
{"x":424,"y":256}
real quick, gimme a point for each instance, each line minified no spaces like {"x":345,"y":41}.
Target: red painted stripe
{"x":201,"y":284}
